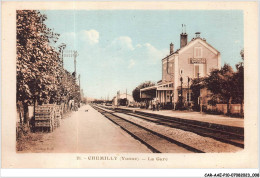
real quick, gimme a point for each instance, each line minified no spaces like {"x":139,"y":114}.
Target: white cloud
{"x":122,"y":43}
{"x":73,"y":39}
{"x":89,"y":36}
{"x":122,"y":52}
{"x":149,"y":53}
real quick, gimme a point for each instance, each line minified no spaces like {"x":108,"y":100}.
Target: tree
{"x":221,"y":84}
{"x":71,"y":89}
{"x":41,"y":77}
{"x":37,"y":63}
{"x":238,"y":80}
{"x":136,"y":91}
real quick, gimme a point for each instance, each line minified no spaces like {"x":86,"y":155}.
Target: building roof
{"x":206,"y":44}
{"x":203,"y":42}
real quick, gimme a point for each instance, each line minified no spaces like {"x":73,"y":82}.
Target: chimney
{"x":197,"y":34}
{"x":184,"y":37}
{"x":171,"y":48}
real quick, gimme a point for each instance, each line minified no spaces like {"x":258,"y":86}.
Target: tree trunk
{"x":34,"y":106}
{"x":20,"y":114}
{"x":26,"y":113}
{"x":228,"y":106}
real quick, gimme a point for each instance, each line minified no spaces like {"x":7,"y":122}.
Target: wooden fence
{"x":234,"y":108}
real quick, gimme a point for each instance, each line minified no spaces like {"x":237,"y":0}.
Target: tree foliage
{"x":37,"y":62}
{"x":40,"y":75}
{"x":136,"y":91}
{"x":226,"y":85}
{"x":220,"y":83}
{"x":238,"y":80}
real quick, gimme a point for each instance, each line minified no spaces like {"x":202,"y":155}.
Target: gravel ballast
{"x":204,"y":144}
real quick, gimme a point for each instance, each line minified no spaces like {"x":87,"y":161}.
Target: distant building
{"x":192,"y":60}
{"x":123,"y":97}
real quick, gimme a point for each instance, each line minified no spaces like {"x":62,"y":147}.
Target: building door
{"x":197,"y":71}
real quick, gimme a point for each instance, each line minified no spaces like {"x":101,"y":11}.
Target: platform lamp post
{"x":200,"y":97}
{"x":188,"y":92}
{"x":181,"y":79}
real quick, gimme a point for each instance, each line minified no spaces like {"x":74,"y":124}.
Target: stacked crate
{"x":57,"y":118}
{"x":44,"y":117}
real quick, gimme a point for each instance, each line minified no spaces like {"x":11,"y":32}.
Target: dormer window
{"x":197,"y":52}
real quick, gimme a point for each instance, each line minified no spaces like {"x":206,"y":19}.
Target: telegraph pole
{"x":62,"y":47}
{"x":200,"y":97}
{"x":75,"y":54}
{"x":79,"y":80}
{"x":79,"y":90}
{"x":181,"y":79}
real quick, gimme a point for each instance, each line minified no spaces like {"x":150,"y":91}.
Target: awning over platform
{"x":165,"y":86}
{"x":151,"y":92}
{"x":148,"y":92}
{"x":149,"y":88}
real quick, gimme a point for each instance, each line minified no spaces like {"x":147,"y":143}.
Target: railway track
{"x":224,"y":136}
{"x":156,"y":142}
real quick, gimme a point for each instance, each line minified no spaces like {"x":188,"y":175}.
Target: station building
{"x":193,"y":59}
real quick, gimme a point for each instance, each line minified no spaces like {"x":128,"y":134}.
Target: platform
{"x":86,"y":131}
{"x":221,"y":121}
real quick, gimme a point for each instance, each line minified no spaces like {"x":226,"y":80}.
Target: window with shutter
{"x":197,"y":52}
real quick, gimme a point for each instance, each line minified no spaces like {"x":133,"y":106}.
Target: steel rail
{"x":117,"y":119}
{"x":219,"y":135}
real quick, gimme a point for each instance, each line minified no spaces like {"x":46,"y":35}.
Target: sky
{"x":119,"y":49}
